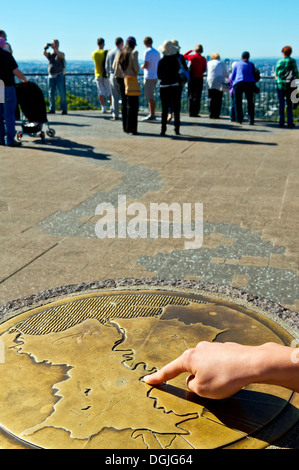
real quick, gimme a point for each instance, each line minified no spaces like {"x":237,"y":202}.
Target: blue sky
{"x":261,"y":26}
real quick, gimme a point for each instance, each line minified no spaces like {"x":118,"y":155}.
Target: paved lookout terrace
{"x":245,"y":176}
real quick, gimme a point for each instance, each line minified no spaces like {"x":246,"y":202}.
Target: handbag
{"x":132,"y":87}
{"x":184,"y":75}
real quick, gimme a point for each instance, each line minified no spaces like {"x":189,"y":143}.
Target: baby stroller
{"x":33,"y":107}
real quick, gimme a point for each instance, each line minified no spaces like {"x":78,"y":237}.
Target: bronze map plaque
{"x":71,"y":375}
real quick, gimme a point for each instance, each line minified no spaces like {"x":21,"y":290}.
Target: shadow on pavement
{"x":69,"y":147}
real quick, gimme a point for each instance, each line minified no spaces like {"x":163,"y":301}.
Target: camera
{"x":48,"y":45}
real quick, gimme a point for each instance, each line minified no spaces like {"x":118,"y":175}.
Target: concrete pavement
{"x":245,"y":176}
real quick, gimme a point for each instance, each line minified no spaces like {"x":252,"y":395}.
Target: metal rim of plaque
{"x":255,"y":418}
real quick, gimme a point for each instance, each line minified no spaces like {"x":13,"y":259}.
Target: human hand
{"x":218,"y":370}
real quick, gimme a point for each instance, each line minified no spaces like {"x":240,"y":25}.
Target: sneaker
{"x":64,"y":112}
{"x":51,"y":112}
{"x":149,"y":118}
{"x":2,"y":142}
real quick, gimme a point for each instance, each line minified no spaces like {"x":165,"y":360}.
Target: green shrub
{"x":73,"y":102}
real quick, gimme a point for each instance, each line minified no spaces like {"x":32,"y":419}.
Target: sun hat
{"x":176,"y":43}
{"x":168,"y":48}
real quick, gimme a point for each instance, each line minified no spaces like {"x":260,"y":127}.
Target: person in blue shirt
{"x":243,"y":81}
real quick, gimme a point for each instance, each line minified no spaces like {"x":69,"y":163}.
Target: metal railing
{"x":82,"y":86}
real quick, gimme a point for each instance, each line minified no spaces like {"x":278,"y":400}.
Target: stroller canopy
{"x":32,"y":102}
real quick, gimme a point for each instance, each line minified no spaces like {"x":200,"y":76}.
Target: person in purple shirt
{"x":243,"y":81}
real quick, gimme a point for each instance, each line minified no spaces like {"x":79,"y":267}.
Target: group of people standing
{"x":174,"y":70}
{"x":116,"y":76}
{"x":113,"y":69}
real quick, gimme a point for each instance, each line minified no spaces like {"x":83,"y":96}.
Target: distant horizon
{"x":90,"y":60}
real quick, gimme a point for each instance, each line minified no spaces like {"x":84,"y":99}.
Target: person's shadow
{"x":68,"y":147}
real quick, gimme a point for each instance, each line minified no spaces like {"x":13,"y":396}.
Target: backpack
{"x":256,"y":73}
{"x":289,"y":75}
{"x":104,"y":65}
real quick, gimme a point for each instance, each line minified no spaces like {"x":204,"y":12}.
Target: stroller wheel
{"x":19,"y":136}
{"x":50,"y":132}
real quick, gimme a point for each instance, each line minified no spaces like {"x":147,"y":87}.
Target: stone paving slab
{"x":245,"y":176}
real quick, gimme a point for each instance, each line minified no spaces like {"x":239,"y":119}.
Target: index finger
{"x":169,"y":371}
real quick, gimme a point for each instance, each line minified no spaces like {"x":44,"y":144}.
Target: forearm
{"x":20,"y":75}
{"x":278,"y":365}
{"x":187,"y":54}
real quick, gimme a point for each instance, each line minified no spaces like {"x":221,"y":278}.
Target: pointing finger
{"x":171,"y":370}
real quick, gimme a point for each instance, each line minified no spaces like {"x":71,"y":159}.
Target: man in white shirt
{"x":150,"y":67}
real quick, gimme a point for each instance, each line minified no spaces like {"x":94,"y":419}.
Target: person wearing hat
{"x":198,"y":66}
{"x":170,"y":92}
{"x":286,"y":72}
{"x":6,"y":46}
{"x":243,"y":81}
{"x":126,"y":61}
{"x":183,"y":64}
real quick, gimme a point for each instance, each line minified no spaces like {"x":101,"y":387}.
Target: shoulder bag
{"x":132,"y":87}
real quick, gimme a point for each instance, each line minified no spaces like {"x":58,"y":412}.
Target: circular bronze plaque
{"x":71,"y":374}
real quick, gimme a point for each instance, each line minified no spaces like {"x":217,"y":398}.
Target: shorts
{"x":103,"y":86}
{"x":149,"y":88}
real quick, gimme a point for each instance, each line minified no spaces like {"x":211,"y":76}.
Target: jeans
{"x":232,"y":108}
{"x":59,"y":83}
{"x":7,"y":115}
{"x":284,"y":97}
{"x":248,"y":89}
